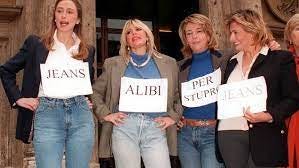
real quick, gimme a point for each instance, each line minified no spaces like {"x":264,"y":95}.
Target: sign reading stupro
{"x":143,"y":95}
{"x":65,"y":80}
{"x":234,"y":98}
{"x":201,"y":91}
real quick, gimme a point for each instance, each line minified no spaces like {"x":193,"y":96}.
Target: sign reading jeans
{"x":143,"y":95}
{"x":234,"y":98}
{"x":202,"y":90}
{"x":65,"y":79}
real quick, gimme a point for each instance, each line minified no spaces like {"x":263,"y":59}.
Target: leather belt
{"x":199,"y":123}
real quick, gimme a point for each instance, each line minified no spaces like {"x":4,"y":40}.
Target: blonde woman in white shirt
{"x":63,"y":121}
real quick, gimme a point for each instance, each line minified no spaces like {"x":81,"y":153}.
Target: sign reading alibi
{"x":283,"y":9}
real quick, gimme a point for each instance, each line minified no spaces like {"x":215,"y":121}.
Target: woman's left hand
{"x":89,"y":103}
{"x":164,"y":122}
{"x":257,"y":117}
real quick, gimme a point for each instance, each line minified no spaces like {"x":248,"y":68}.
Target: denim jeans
{"x":140,"y":136}
{"x":63,"y":125}
{"x":196,"y":147}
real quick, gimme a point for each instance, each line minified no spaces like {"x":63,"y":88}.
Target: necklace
{"x":141,"y":65}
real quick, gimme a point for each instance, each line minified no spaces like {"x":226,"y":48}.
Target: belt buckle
{"x":203,"y":123}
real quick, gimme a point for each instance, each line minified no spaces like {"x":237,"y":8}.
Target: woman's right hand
{"x":116,"y":118}
{"x":28,"y":103}
{"x":180,"y":123}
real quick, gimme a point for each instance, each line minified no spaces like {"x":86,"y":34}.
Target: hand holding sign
{"x":257,"y":117}
{"x":233,"y":97}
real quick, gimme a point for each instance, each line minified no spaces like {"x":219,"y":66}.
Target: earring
{"x":128,"y":48}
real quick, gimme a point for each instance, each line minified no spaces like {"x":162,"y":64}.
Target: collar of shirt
{"x":238,"y":69}
{"x":264,"y":51}
{"x":59,"y":45}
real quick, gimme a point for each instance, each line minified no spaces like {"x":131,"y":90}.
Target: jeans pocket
{"x":84,"y":112}
{"x":43,"y":108}
{"x":84,"y":106}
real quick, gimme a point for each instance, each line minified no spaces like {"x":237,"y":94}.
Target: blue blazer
{"x":30,"y":56}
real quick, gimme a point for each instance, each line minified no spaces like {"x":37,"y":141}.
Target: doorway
{"x":163,"y":17}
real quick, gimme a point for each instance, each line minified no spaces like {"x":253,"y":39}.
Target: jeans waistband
{"x":146,"y":115}
{"x":200,"y":123}
{"x":67,"y":101}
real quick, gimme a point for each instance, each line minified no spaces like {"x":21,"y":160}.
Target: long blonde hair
{"x":150,"y":44}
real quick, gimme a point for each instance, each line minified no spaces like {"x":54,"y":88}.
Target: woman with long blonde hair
{"x":136,"y":131}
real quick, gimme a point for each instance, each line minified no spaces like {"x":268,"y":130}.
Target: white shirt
{"x":61,"y":55}
{"x":239,"y":123}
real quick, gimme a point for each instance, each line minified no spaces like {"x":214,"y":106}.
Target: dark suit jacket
{"x":268,"y":143}
{"x":31,"y":55}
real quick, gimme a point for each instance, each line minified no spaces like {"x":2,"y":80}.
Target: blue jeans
{"x":196,"y":147}
{"x":140,"y":136}
{"x":63,"y":125}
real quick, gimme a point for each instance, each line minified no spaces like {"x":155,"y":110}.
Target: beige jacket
{"x":106,"y":96}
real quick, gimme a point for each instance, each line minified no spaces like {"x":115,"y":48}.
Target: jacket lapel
{"x":118,"y":72}
{"x":184,"y":69}
{"x":230,"y":67}
{"x":162,"y":67}
{"x":165,"y":72}
{"x":259,"y":60}
{"x":216,"y":59}
{"x":41,"y":57}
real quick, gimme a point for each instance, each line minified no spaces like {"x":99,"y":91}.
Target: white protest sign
{"x":65,"y":80}
{"x":201,"y":91}
{"x":234,"y":97}
{"x":143,"y":95}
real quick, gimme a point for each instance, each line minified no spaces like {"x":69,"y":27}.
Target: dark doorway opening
{"x":163,"y":16}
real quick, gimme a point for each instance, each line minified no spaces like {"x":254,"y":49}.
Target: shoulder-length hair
{"x":290,"y":26}
{"x":207,"y":27}
{"x":252,"y":22}
{"x":48,"y":40}
{"x":150,"y":44}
